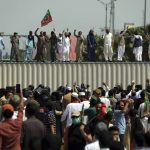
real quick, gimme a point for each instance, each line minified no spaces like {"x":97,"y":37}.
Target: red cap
{"x":7,"y":107}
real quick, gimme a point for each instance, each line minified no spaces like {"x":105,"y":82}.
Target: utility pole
{"x":113,"y":16}
{"x":106,"y":18}
{"x":145,"y":15}
{"x":106,"y":9}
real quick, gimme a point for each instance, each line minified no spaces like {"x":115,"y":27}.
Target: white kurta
{"x":108,"y":52}
{"x":121,"y":48}
{"x":68,"y":112}
{"x":66,"y":48}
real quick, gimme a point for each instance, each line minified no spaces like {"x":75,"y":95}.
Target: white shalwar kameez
{"x":121,"y":48}
{"x":108,"y":52}
{"x":66,"y":48}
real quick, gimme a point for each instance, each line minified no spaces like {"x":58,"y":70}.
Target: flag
{"x":47,"y":19}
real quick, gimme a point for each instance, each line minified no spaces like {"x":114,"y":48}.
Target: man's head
{"x":101,"y":126}
{"x":81,"y":94}
{"x":97,"y":93}
{"x":68,"y":89}
{"x":8,"y":94}
{"x":66,"y":34}
{"x":91,"y":32}
{"x":30,"y":33}
{"x":80,"y":33}
{"x":44,"y":33}
{"x":138,"y":87}
{"x":60,"y":34}
{"x":123,"y":94}
{"x":121,"y":104}
{"x":103,"y":92}
{"x":74,"y":97}
{"x":1,"y":33}
{"x":93,"y":101}
{"x":41,"y":33}
{"x":114,"y":133}
{"x":52,"y":33}
{"x":7,"y":111}
{"x":111,"y":93}
{"x":31,"y":109}
{"x":107,"y":31}
{"x":15,"y":33}
{"x":15,"y":101}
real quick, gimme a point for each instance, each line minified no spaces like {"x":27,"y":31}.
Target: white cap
{"x":69,"y":88}
{"x":75,"y":95}
{"x":82,"y":93}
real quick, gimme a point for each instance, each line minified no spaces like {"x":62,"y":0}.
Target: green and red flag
{"x":47,"y":19}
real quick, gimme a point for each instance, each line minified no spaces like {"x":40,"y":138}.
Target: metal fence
{"x":56,"y":74}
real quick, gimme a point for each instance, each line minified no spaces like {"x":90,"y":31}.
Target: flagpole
{"x":53,"y":25}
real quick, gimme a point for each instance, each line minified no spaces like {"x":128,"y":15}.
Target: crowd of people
{"x":75,"y":118}
{"x":59,"y":47}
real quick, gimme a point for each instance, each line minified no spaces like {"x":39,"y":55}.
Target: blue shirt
{"x":120,"y":120}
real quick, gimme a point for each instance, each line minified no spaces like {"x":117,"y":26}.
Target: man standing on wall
{"x":66,"y":47}
{"x":15,"y":47}
{"x":79,"y":45}
{"x":121,"y":45}
{"x":40,"y":46}
{"x":2,"y":46}
{"x":108,"y":52}
{"x":138,"y":49}
{"x":91,"y":45}
{"x":30,"y":45}
{"x":53,"y":46}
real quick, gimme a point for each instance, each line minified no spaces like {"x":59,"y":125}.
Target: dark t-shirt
{"x":43,"y":117}
{"x":75,"y":138}
{"x":90,"y":112}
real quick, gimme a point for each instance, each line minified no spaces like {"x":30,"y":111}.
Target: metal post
{"x":145,"y":16}
{"x":106,"y":14}
{"x":110,"y":19}
{"x":106,"y":18}
{"x":113,"y":17}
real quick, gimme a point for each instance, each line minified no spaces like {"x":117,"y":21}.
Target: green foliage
{"x":99,"y":48}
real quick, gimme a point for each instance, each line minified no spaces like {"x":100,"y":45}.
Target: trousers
{"x":108,"y":52}
{"x":121,"y":50}
{"x":137,"y":51}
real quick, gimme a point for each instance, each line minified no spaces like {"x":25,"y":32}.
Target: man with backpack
{"x":138,"y":49}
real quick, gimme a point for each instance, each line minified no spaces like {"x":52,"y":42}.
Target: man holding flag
{"x":41,"y":38}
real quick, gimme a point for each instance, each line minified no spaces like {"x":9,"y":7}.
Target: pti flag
{"x":47,"y":19}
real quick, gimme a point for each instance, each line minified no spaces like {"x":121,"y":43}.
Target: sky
{"x":25,"y":15}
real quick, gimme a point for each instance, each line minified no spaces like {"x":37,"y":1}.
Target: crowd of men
{"x":59,"y":47}
{"x":75,"y":118}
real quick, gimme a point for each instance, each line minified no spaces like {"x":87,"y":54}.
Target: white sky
{"x":25,"y":15}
